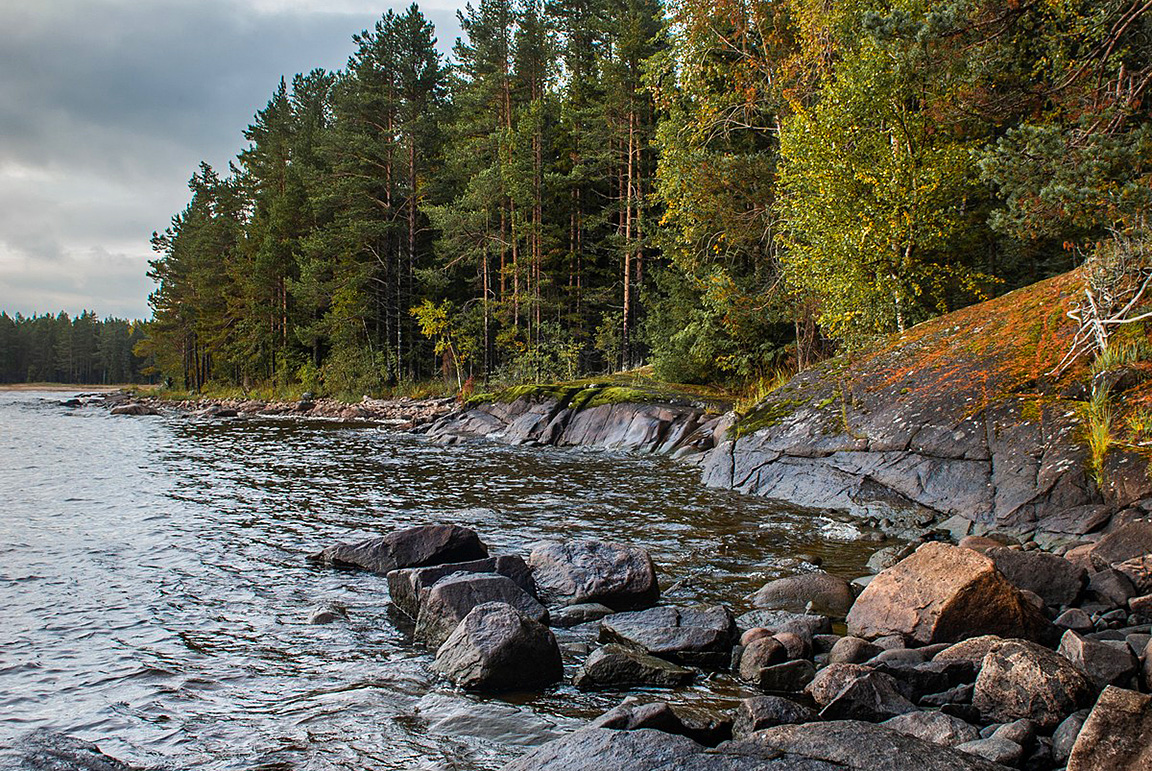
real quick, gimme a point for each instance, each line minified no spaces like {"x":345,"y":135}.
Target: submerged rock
{"x":498,"y":648}
{"x":614,"y":667}
{"x":944,"y":593}
{"x":413,"y":547}
{"x":693,"y":636}
{"x":328,"y":613}
{"x":453,"y":597}
{"x":574,"y":572}
{"x":50,"y":751}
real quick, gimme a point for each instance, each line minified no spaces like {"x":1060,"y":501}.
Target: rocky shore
{"x":978,"y":656}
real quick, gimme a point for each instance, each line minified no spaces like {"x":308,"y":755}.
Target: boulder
{"x":574,"y":615}
{"x":452,"y":598}
{"x":852,"y":650}
{"x":858,"y":694}
{"x":832,"y":679}
{"x":1146,"y":667}
{"x":573,"y":572}
{"x":498,"y":648}
{"x":807,"y":626}
{"x":599,"y":749}
{"x":1139,"y":572}
{"x":1064,"y":737}
{"x":405,"y":586}
{"x":994,"y":749}
{"x":813,"y":592}
{"x":789,"y":677}
{"x":701,"y":637}
{"x":935,"y":727}
{"x":632,"y":716}
{"x":943,"y":593}
{"x":617,"y":667}
{"x":1117,"y":736}
{"x":929,"y":677}
{"x":45,"y":750}
{"x":859,"y":746}
{"x":973,"y":649}
{"x":1053,"y":578}
{"x":1020,"y":679}
{"x":1124,"y":543}
{"x":760,"y":712}
{"x":327,"y":613}
{"x":1111,"y":588}
{"x":1103,"y":663}
{"x":1074,"y":619}
{"x":414,"y":547}
{"x":761,"y":652}
{"x":134,"y":408}
{"x":795,"y":646}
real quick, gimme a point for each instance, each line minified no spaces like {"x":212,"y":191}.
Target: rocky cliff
{"x":957,"y":419}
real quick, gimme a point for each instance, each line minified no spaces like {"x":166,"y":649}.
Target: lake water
{"x":154,"y":592}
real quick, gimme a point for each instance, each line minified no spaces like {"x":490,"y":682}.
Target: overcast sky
{"x":107,"y":107}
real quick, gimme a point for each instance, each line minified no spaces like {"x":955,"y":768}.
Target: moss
{"x":766,"y":415}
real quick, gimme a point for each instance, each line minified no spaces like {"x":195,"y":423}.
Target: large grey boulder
{"x":1117,"y":736}
{"x":617,"y":667}
{"x":414,"y":547}
{"x":452,"y":598}
{"x":944,"y":593}
{"x":1052,"y":577}
{"x":813,"y":592}
{"x":498,"y":648}
{"x":573,"y":572}
{"x":1019,"y":679}
{"x":405,"y":585}
{"x":701,"y":637}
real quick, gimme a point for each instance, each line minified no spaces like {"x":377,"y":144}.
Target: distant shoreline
{"x":84,"y":388}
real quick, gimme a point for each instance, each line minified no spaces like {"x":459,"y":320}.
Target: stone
{"x":704,"y":725}
{"x":1053,"y":578}
{"x":888,"y":556}
{"x":1141,"y":606}
{"x":498,"y":648}
{"x":873,"y":696}
{"x":961,"y":694}
{"x":1117,"y":736}
{"x":1111,"y":587}
{"x":852,"y":650}
{"x":1103,"y":663}
{"x":795,"y":646}
{"x":789,"y":677}
{"x":629,"y":716}
{"x":617,"y":667}
{"x":450,"y":599}
{"x":1133,"y":539}
{"x":574,"y":615}
{"x":1139,"y":572}
{"x":328,"y":613}
{"x":761,"y":652}
{"x":760,"y":712}
{"x":599,"y":749}
{"x":1064,"y":737}
{"x":576,"y":572}
{"x":929,"y":677}
{"x":1075,"y":619}
{"x":935,"y":727}
{"x":813,"y":592}
{"x":807,"y":626}
{"x":943,"y":593}
{"x":45,"y":750}
{"x":980,"y":543}
{"x":406,"y":585}
{"x":996,"y":750}
{"x":973,"y":649}
{"x":700,"y":637}
{"x":1146,"y":667}
{"x":1020,"y":679}
{"x":832,"y":679}
{"x":134,"y":408}
{"x":414,"y":547}
{"x":859,"y":746}
{"x":1021,"y":732}
{"x":755,"y":633}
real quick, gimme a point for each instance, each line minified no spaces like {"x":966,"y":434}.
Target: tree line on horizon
{"x":720,"y":189}
{"x":82,"y":349}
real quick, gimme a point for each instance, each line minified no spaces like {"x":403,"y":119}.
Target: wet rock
{"x":789,"y":677}
{"x":1117,"y":736}
{"x":414,"y":547}
{"x":328,"y":613}
{"x":599,"y":749}
{"x":1064,"y":737}
{"x":1124,"y":543}
{"x":860,"y":746}
{"x":631,"y":716}
{"x":1103,"y":663}
{"x":49,"y":751}
{"x":700,"y":637}
{"x":134,"y":408}
{"x":885,"y":558}
{"x":575,"y":572}
{"x":1075,"y":619}
{"x":760,"y":712}
{"x":996,"y":750}
{"x":453,"y":597}
{"x":807,"y":626}
{"x":852,"y":650}
{"x":498,"y":648}
{"x":761,"y":652}
{"x":934,"y":727}
{"x":710,"y":727}
{"x":405,"y":586}
{"x":812,"y":592}
{"x":943,"y":593}
{"x":1019,"y":679}
{"x":1111,"y":587}
{"x":574,"y":615}
{"x":1053,"y":578}
{"x":614,"y":667}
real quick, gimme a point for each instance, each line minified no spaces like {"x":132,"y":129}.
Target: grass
{"x":1098,"y":432}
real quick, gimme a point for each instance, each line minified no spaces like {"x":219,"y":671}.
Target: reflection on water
{"x":154,"y":590}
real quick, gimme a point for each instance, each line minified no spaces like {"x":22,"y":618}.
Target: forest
{"x":82,"y":349}
{"x":723,"y":190}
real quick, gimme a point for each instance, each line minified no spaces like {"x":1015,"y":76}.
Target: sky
{"x":108,"y":106}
